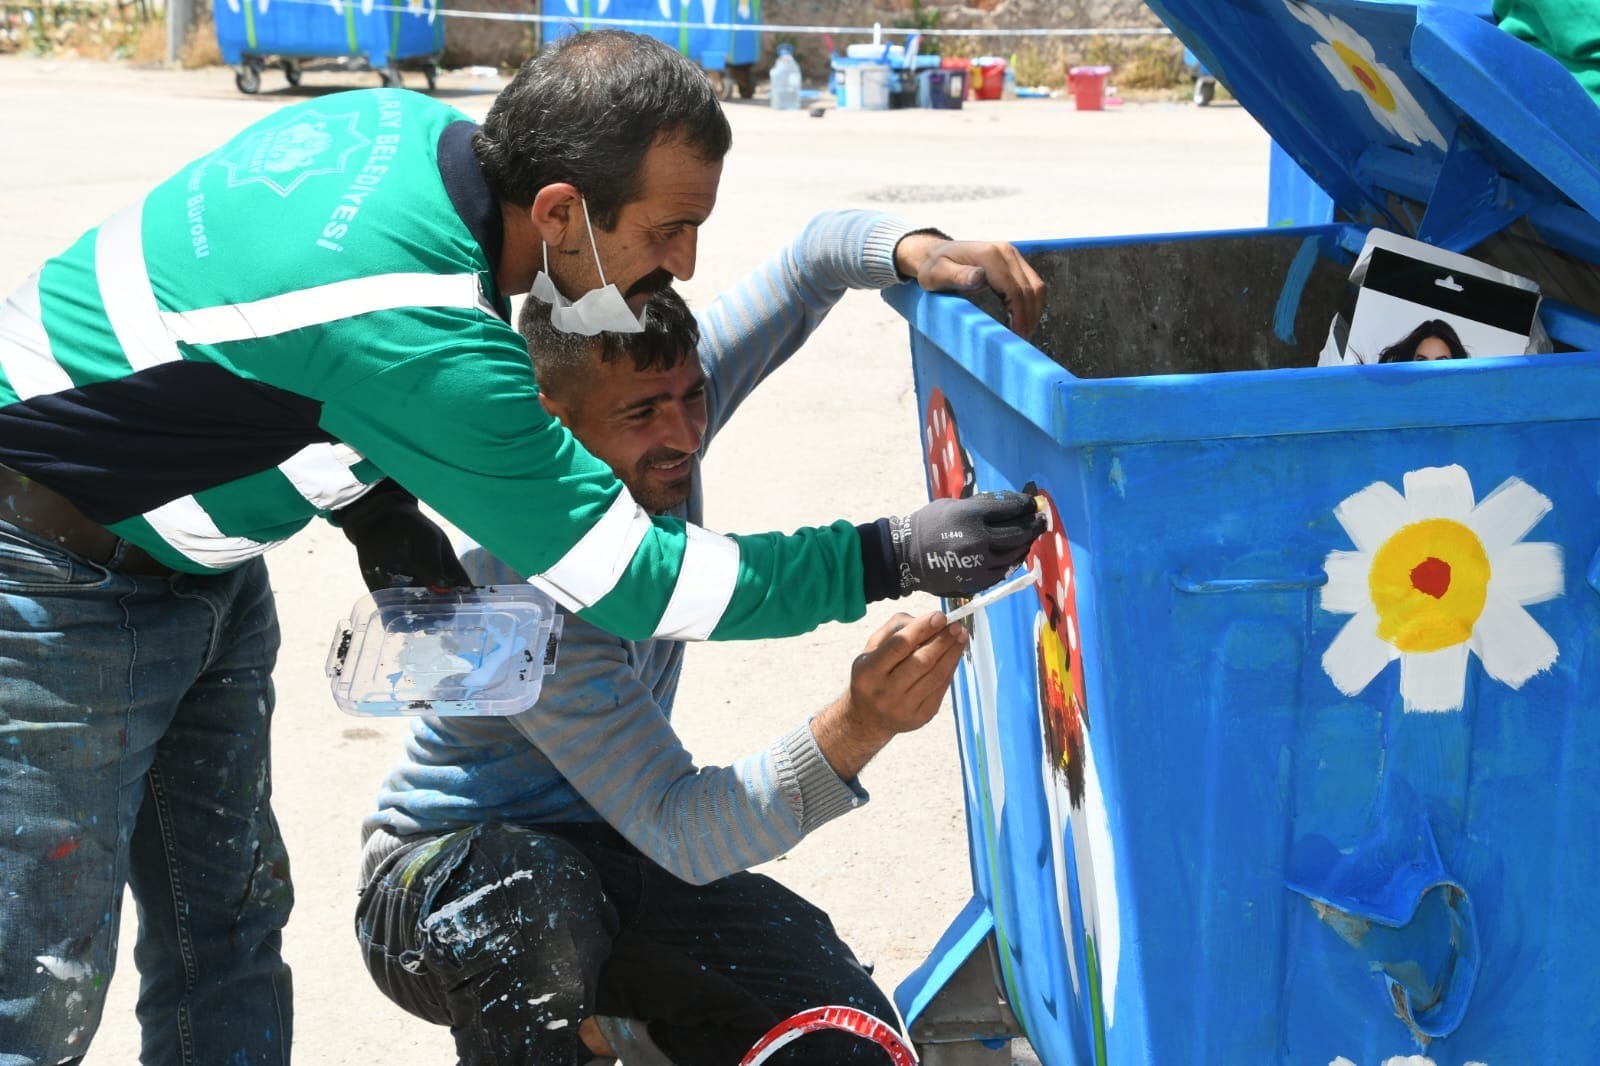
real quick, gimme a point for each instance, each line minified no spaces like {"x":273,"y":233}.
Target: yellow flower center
{"x":1058,"y":688}
{"x":1428,"y":582}
{"x":1371,"y":81}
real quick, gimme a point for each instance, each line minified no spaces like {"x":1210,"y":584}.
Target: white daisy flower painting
{"x":1353,"y":63}
{"x":1436,"y":575}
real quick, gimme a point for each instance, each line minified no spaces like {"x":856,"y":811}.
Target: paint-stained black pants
{"x":512,"y":936}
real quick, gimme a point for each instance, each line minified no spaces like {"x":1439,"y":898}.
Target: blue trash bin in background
{"x":253,"y":33}
{"x":1293,"y":199}
{"x":1224,"y":804}
{"x":723,"y":36}
{"x":941,"y":89}
{"x":1205,"y":83}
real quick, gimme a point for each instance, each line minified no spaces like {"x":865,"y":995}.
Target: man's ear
{"x":556,"y":409}
{"x":555,"y":213}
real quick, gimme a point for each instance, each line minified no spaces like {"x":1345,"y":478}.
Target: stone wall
{"x":473,"y":42}
{"x":470,"y":42}
{"x":984,"y":14}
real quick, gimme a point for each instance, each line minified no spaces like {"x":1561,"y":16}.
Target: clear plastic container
{"x":785,"y":80}
{"x":482,"y":651}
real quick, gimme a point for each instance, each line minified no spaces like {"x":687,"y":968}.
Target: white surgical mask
{"x":598,"y":310}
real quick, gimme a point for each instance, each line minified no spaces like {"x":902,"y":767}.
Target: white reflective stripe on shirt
{"x":25,"y":356}
{"x":559,"y":595}
{"x":705,"y":586}
{"x":189,"y":531}
{"x":320,"y":304}
{"x":594,"y":565}
{"x":321,"y":473}
{"x":125,"y":291}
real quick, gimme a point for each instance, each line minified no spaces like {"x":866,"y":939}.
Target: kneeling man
{"x":566,"y":882}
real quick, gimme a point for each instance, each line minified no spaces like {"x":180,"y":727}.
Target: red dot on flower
{"x":1364,"y":78}
{"x":1432,"y":577}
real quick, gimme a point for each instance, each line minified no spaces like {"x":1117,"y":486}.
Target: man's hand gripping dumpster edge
{"x":959,"y":547}
{"x":943,"y":265}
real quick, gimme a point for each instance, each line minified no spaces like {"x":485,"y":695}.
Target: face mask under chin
{"x":596,"y":311}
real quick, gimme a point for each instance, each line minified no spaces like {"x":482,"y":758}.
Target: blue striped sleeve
{"x":600,"y":727}
{"x":753,"y":328}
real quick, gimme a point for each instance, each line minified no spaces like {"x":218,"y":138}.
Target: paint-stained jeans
{"x":512,"y":936}
{"x":134,"y":716}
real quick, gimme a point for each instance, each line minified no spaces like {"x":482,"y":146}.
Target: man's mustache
{"x":652,"y":282}
{"x":661,"y":457}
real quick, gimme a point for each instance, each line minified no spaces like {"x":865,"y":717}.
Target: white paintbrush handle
{"x":999,"y":592}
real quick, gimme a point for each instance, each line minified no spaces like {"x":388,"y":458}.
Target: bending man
{"x":313,"y":319}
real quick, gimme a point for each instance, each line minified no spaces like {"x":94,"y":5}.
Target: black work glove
{"x":397,"y":546}
{"x":960,"y":547}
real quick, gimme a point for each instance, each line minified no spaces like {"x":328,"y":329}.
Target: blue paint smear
{"x":1294,"y":283}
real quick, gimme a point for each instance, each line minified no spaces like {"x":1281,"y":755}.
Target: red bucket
{"x":1088,"y":85}
{"x":988,"y":80}
{"x":851,"y":1020}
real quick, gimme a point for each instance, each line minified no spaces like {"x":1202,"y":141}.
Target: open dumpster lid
{"x":1426,"y":119}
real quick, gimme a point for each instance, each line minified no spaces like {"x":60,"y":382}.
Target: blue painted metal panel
{"x":671,"y":21}
{"x":1227,"y":801}
{"x":742,"y":43}
{"x":414,"y":32}
{"x":1348,"y":87}
{"x":254,"y":27}
{"x":1293,"y":199}
{"x":1195,"y":845}
{"x":327,"y":29}
{"x":964,"y":936}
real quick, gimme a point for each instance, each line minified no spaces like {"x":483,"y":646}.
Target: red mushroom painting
{"x":1061,"y":692}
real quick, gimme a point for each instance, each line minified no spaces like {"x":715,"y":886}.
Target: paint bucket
{"x":852,"y":1020}
{"x":866,"y":86}
{"x":988,"y":78}
{"x":1088,"y":85}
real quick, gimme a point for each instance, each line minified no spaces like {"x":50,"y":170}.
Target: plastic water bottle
{"x":785,"y":80}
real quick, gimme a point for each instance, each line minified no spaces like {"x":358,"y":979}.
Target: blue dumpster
{"x":723,"y":36}
{"x":1293,"y":756}
{"x":253,"y":33}
{"x":1293,"y":199}
{"x":1205,"y":83}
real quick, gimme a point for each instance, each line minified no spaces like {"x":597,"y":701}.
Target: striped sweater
{"x":313,"y":306}
{"x":599,"y":744}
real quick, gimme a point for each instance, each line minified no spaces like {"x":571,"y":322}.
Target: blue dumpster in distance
{"x":720,"y":35}
{"x":1293,"y":199}
{"x":1205,"y":83}
{"x":1293,"y":756}
{"x":252,"y":33}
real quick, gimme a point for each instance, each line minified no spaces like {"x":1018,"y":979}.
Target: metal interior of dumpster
{"x":1294,"y":755}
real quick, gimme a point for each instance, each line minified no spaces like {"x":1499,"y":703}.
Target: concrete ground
{"x":833,"y":435}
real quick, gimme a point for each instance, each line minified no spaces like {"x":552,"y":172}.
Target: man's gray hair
{"x":587,"y":109}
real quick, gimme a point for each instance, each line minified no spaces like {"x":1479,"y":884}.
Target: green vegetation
{"x":922,"y":18}
{"x":128,"y":31}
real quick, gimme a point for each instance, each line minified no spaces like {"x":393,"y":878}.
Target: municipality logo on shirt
{"x":301,"y":146}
